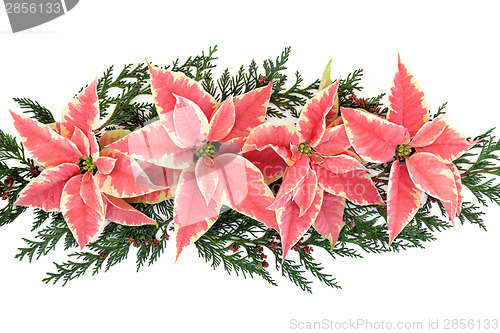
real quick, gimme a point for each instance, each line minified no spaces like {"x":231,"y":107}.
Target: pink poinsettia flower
{"x":424,"y":151}
{"x":84,"y":184}
{"x":320,"y":174}
{"x":192,"y":141}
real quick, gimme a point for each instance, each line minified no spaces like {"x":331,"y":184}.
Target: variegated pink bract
{"x":319,"y":175}
{"x":84,"y":184}
{"x":424,"y":151}
{"x":198,"y":140}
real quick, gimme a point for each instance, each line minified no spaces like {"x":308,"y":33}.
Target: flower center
{"x":304,"y":148}
{"x":206,"y":150}
{"x":86,"y":164}
{"x":403,"y":151}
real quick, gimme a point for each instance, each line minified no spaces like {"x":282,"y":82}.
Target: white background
{"x":451,"y":48}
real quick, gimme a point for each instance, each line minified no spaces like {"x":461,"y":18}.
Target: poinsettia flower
{"x":319,"y":175}
{"x":423,"y":150}
{"x":84,"y":184}
{"x":194,"y":140}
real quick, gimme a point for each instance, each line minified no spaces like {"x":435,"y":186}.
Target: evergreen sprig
{"x":35,"y":110}
{"x":481,"y":169}
{"x":235,"y":243}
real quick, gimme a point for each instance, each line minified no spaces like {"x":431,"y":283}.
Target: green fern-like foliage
{"x":235,"y":243}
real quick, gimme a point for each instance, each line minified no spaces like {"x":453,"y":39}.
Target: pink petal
{"x":81,"y":141}
{"x":159,"y":176}
{"x":311,"y":124}
{"x":121,"y":212}
{"x":269,"y":163}
{"x":222,"y":121}
{"x":291,"y":226}
{"x":47,"y":148}
{"x":329,"y":220}
{"x":453,"y":208}
{"x":407,"y":104}
{"x":429,"y":132}
{"x":190,"y":206}
{"x":334,"y":141}
{"x":187,"y":235}
{"x":356,"y":185}
{"x":81,"y":112}
{"x":432,"y":175}
{"x":164,"y":83}
{"x":448,"y":146}
{"x":84,"y":221}
{"x":258,"y":195}
{"x":45,"y":191}
{"x":305,"y":193}
{"x":403,"y":199}
{"x":233,"y":179}
{"x":191,"y":125}
{"x":277,"y":137}
{"x":230,"y":147}
{"x":127,"y":179}
{"x":153,"y":197}
{"x":373,"y":138}
{"x":324,"y":83}
{"x":250,"y":111}
{"x":89,"y":192}
{"x":152,"y":143}
{"x":291,"y":180}
{"x":113,"y":136}
{"x":56,"y":127}
{"x":207,"y":177}
{"x":105,"y":164}
{"x":458,"y":183}
{"x":94,"y":146}
{"x":342,"y":164}
{"x":317,"y":158}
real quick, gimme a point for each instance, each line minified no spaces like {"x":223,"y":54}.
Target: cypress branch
{"x":235,"y":243}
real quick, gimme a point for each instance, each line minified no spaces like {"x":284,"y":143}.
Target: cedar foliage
{"x":237,"y":243}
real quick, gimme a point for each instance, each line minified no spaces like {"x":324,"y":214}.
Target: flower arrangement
{"x":199,"y":160}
